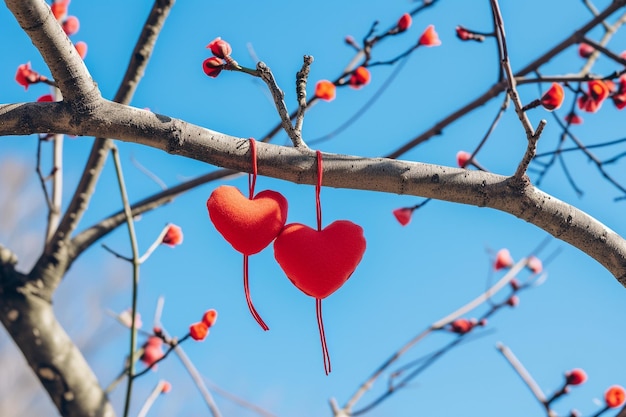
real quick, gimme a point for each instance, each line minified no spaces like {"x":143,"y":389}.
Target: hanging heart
{"x":319,"y":262}
{"x":248,"y":224}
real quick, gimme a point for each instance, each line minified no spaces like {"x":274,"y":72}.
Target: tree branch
{"x":60,"y":367}
{"x":86,"y":238}
{"x":342,"y":171}
{"x":499,"y":87}
{"x":67,"y":67}
{"x":100,"y":149}
{"x":25,"y":308}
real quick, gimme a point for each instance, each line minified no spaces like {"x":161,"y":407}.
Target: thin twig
{"x":526,"y":377}
{"x":206,"y":395}
{"x":95,"y":163}
{"x":610,"y":31}
{"x":568,"y":175}
{"x":266,"y":75}
{"x":116,"y":254}
{"x":508,"y":71}
{"x":363,"y":109}
{"x":397,"y":58}
{"x":362,"y":56}
{"x":172,"y":343}
{"x":54,"y":213}
{"x":531,"y":135}
{"x":499,"y":45}
{"x":394,"y":388}
{"x":301,"y":81}
{"x":197,"y":379}
{"x":497,"y":88}
{"x":601,"y":48}
{"x":157,"y":242}
{"x":86,"y":238}
{"x":531,"y":150}
{"x":427,"y":359}
{"x":367,"y":385}
{"x":569,"y":78}
{"x":42,"y":179}
{"x":594,"y":11}
{"x":597,"y":162}
{"x":492,"y":127}
{"x":158,"y":312}
{"x":614,"y":159}
{"x":515,"y":269}
{"x":135,"y":262}
{"x":158,"y":390}
{"x":238,"y":400}
{"x":546,"y":167}
{"x":148,"y":173}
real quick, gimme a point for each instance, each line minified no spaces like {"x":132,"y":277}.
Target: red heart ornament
{"x":249,"y":225}
{"x":319,"y":262}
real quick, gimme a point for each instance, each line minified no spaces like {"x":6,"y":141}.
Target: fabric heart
{"x":249,"y":225}
{"x":319,"y":262}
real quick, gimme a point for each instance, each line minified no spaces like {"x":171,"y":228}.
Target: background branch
{"x":499,"y":87}
{"x":60,"y":366}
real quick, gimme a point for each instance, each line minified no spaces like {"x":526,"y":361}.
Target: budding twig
{"x":367,"y":385}
{"x":531,"y":135}
{"x":197,"y":378}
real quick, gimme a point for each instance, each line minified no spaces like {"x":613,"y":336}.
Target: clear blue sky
{"x":409,"y":277}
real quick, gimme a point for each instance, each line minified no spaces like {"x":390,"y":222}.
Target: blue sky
{"x":409,"y":277}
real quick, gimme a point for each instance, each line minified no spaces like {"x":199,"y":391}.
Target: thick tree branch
{"x":143,"y":50}
{"x":86,"y":186}
{"x":375,"y":174}
{"x":60,"y":367}
{"x":100,"y":149}
{"x":67,"y":67}
{"x":51,"y":354}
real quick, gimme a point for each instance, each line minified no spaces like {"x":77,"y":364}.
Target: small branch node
{"x":266,"y":75}
{"x":301,"y":81}
{"x":531,"y":151}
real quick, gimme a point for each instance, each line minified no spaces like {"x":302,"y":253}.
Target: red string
{"x":246,"y":286}
{"x":252,"y":177}
{"x":318,"y":302}
{"x":318,"y":188}
{"x":320,"y":325}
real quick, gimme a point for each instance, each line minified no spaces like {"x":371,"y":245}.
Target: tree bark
{"x":477,"y":188}
{"x":50,"y":352}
